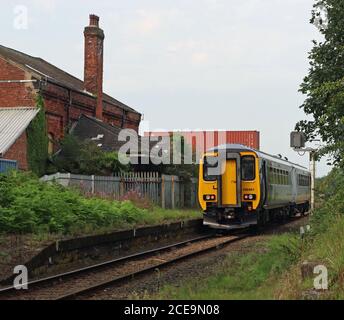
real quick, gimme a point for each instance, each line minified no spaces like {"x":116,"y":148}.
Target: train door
{"x":294,"y":185}
{"x":231,"y":182}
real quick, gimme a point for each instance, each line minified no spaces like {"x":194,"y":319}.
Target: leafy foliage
{"x":330,"y":190}
{"x":30,"y":206}
{"x":323,"y":86}
{"x":37,"y":141}
{"x":179,"y":151}
{"x":325,"y":243}
{"x":85,"y":157}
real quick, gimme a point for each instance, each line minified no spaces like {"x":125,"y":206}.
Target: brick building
{"x":66,"y":98}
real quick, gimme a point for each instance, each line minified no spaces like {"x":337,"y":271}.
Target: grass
{"x":327,"y":249}
{"x":242,"y":275}
{"x":325,"y":244}
{"x":272,"y":269}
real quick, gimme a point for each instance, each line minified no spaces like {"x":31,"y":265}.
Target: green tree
{"x":180,"y":148}
{"x":324,"y":85}
{"x":85,"y":157}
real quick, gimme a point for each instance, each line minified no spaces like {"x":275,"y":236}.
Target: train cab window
{"x":210,"y":162}
{"x":248,"y":168}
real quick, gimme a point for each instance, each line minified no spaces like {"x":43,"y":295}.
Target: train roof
{"x":242,"y":148}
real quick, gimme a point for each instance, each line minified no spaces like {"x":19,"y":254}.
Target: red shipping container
{"x":205,"y":140}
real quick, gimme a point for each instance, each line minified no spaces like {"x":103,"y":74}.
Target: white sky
{"x":186,"y":64}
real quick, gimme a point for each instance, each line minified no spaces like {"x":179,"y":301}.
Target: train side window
{"x":248,"y":168}
{"x":270,"y":175}
{"x":303,"y":180}
{"x":209,"y":162}
{"x":275,"y":176}
{"x":282,"y":177}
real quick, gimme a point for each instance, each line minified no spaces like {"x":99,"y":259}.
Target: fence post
{"x":92,"y":186}
{"x":163,"y":191}
{"x":182,"y":193}
{"x":121,"y":185}
{"x":173,"y":193}
{"x":194,"y":193}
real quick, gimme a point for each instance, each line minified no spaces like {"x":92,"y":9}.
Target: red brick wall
{"x":15,"y":94}
{"x":132,"y":121}
{"x":18,"y":151}
{"x":63,"y":106}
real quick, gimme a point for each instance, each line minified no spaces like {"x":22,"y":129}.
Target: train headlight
{"x":250,"y":197}
{"x":209,"y":197}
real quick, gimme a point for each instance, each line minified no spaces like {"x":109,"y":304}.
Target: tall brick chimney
{"x":93,"y":70}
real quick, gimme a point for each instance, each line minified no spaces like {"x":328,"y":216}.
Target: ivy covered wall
{"x":37,"y":140}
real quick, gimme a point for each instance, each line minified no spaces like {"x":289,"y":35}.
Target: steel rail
{"x":161,"y":265}
{"x":70,"y":274}
{"x":45,"y":281}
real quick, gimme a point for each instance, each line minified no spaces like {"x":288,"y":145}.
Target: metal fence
{"x":6,"y":165}
{"x":163,"y":190}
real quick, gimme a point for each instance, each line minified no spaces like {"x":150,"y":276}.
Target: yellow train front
{"x":241,"y":187}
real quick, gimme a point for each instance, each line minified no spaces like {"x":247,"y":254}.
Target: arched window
{"x":50,"y":144}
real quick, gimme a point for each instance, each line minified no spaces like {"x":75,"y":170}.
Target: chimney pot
{"x":94,"y":20}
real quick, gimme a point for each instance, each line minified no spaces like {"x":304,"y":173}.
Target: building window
{"x":50,"y":144}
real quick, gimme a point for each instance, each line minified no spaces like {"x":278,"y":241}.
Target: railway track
{"x":86,"y":282}
{"x":78,"y":283}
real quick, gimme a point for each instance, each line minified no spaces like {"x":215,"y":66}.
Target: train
{"x":242,"y":187}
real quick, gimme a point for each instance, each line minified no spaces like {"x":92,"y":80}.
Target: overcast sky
{"x":185,"y":64}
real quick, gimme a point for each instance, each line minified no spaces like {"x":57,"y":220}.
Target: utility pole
{"x":313,"y":175}
{"x":298,"y":142}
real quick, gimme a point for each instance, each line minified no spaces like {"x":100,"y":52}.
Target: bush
{"x":138,"y":200}
{"x":331,"y":190}
{"x":85,"y":157}
{"x":30,"y":206}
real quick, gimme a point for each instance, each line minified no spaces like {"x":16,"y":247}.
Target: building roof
{"x":106,"y":135}
{"x":52,"y":73}
{"x":13,"y":122}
